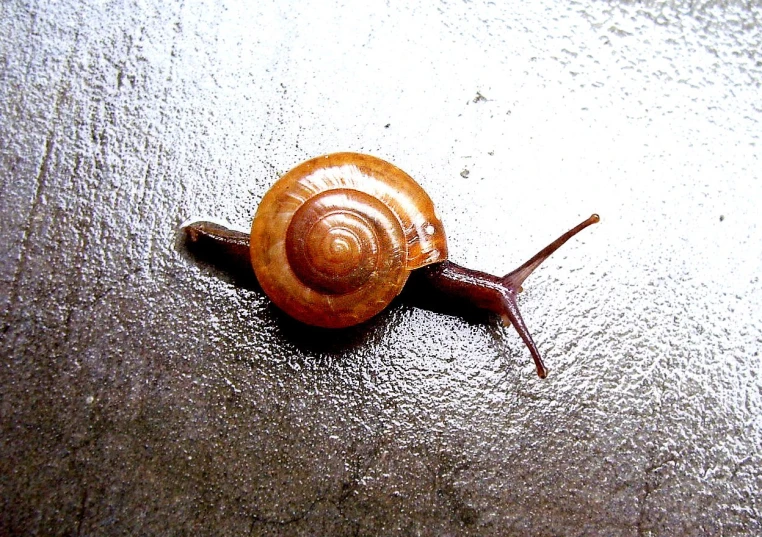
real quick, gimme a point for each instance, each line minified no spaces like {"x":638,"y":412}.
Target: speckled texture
{"x":146,"y":391}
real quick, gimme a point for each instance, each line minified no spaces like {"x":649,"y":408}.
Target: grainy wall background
{"x":145,"y":390}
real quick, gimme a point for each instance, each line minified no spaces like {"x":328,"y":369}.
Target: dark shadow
{"x":335,"y":341}
{"x":234,"y":265}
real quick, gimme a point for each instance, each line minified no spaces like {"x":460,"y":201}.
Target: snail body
{"x":334,"y":240}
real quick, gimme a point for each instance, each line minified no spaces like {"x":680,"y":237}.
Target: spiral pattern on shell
{"x":334,"y":240}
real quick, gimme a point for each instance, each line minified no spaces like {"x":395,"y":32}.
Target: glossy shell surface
{"x":334,"y":240}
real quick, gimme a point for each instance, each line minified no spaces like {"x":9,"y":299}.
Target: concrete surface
{"x":147,"y":391}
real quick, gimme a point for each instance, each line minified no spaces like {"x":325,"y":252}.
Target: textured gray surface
{"x":145,"y":391}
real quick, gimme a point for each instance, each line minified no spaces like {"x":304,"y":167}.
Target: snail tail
{"x":218,"y":239}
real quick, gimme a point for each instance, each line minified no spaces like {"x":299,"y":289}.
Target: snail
{"x":335,"y":239}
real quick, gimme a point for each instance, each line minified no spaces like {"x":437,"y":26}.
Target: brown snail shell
{"x":334,"y":240}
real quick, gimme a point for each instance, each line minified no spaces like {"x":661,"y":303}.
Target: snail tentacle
{"x":515,"y":278}
{"x":511,"y":310}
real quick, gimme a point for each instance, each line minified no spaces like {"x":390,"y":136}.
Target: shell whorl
{"x":335,"y":239}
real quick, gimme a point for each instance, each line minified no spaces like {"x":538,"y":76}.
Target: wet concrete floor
{"x":148,"y":389}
